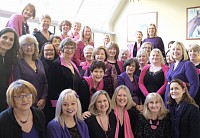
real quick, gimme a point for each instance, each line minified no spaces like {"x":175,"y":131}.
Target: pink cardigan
{"x":79,"y":55}
{"x":141,"y":80}
{"x":131,"y":47}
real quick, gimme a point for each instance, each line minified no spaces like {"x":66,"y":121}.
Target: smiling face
{"x":177,"y":52}
{"x":56,"y":43}
{"x":101,"y":55}
{"x":28,"y":48}
{"x":77,"y":27}
{"x":88,"y":55}
{"x":155,"y":58}
{"x":97,"y":75}
{"x":151,"y":30}
{"x":121,"y":98}
{"x":87,"y":33}
{"x":49,"y":52}
{"x":69,"y":106}
{"x":176,"y":91}
{"x":45,"y":23}
{"x":193,"y":55}
{"x":102,"y":104}
{"x":68,"y":52}
{"x":154,"y":105}
{"x":130,"y":69}
{"x":138,"y":36}
{"x":142,"y":59}
{"x":112,"y":52}
{"x":124,"y":55}
{"x":27,"y":13}
{"x":7,"y":41}
{"x":65,"y":27}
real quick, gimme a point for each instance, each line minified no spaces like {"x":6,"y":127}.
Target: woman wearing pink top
{"x":64,"y":28}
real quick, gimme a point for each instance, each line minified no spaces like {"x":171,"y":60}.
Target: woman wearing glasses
{"x":31,"y":69}
{"x":21,"y":120}
{"x":63,"y":74}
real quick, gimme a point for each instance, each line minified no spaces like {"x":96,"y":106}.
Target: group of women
{"x":56,"y":79}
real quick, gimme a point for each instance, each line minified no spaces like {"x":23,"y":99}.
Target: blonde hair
{"x":160,"y":54}
{"x":161,"y":113}
{"x":82,"y":33}
{"x":45,"y":16}
{"x":130,"y":102}
{"x":92,"y":107}
{"x":176,"y":44}
{"x":155,"y":35}
{"x":28,"y":38}
{"x":18,"y":87}
{"x":194,"y":47}
{"x":72,"y":95}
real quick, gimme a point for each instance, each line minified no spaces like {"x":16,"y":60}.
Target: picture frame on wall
{"x":193,"y":23}
{"x":140,"y":22}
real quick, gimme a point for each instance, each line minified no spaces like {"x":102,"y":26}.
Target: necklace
{"x":23,"y":122}
{"x":154,"y":126}
{"x":107,"y":135}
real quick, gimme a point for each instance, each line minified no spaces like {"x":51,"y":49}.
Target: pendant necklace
{"x":23,"y":122}
{"x":103,"y":126}
{"x":154,"y":126}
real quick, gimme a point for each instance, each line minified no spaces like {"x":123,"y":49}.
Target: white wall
{"x":171,"y":19}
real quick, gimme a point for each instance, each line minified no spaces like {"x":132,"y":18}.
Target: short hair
{"x":154,"y":96}
{"x":67,"y":41}
{"x":18,"y":87}
{"x":96,"y":50}
{"x":97,"y":65}
{"x":78,"y":23}
{"x":130,"y":102}
{"x":32,"y":7}
{"x":160,"y":54}
{"x":45,"y":16}
{"x":122,"y":51}
{"x":41,"y":55}
{"x":142,"y":52}
{"x":146,"y":43}
{"x":139,"y":32}
{"x":130,"y":61}
{"x":28,"y":38}
{"x":194,"y":47}
{"x":170,"y":42}
{"x":82,"y":33}
{"x":64,"y":22}
{"x":177,"y":43}
{"x":13,"y":52}
{"x":87,"y":48}
{"x":113,"y":45}
{"x":155,"y":30}
{"x":72,"y":95}
{"x":92,"y":107}
{"x":54,"y":36}
{"x":185,"y":97}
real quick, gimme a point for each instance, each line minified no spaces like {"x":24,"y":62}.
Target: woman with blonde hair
{"x":154,"y":122}
{"x":184,"y":112}
{"x":126,"y":117}
{"x":68,"y":121}
{"x":182,"y":69}
{"x":21,"y":119}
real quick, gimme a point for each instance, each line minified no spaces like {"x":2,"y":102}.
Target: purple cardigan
{"x":23,"y":71}
{"x":16,"y":22}
{"x":186,"y":72}
{"x":141,"y":80}
{"x":79,"y":55}
{"x":55,"y":130}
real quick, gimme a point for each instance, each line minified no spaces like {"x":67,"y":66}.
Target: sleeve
{"x":194,"y":123}
{"x":16,"y":71}
{"x":54,"y":130}
{"x":14,"y":23}
{"x":139,"y":127}
{"x":45,"y":82}
{"x":77,"y":54}
{"x":120,"y":80}
{"x":192,"y":77}
{"x":162,"y":47}
{"x":141,"y":81}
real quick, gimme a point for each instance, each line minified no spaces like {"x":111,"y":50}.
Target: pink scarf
{"x":127,"y":125}
{"x":89,"y":80}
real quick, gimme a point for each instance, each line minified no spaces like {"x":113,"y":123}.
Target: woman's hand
{"x":86,"y":115}
{"x":41,"y":103}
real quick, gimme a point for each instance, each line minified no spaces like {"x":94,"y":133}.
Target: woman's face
{"x":65,"y":28}
{"x":101,"y":55}
{"x":168,"y":58}
{"x":49,"y":52}
{"x":56,"y":43}
{"x":106,"y":39}
{"x":7,"y":41}
{"x":102,"y":104}
{"x":88,"y":55}
{"x":45,"y":23}
{"x":193,"y":54}
{"x":176,"y":91}
{"x":154,"y":106}
{"x":130,"y":69}
{"x":124,"y":56}
{"x":112,"y":52}
{"x":155,"y":58}
{"x":151,"y":30}
{"x":142,"y":59}
{"x":97,"y":75}
{"x":69,"y":106}
{"x":28,"y":48}
{"x":23,"y":100}
{"x":27,"y":13}
{"x":121,"y":98}
{"x":77,"y":27}
{"x":147,"y":47}
{"x":68,"y":52}
{"x":138,"y":36}
{"x":87,"y":33}
{"x":177,"y":52}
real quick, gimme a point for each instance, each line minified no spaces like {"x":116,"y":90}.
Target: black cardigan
{"x":9,"y":128}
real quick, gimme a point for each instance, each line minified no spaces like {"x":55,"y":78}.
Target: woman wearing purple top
{"x":182,"y":69}
{"x":31,"y":69}
{"x":152,"y":37}
{"x":68,"y":122}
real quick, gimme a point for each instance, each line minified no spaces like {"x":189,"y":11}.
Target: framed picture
{"x":140,"y":22}
{"x":193,"y":23}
